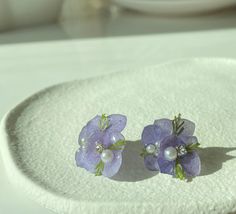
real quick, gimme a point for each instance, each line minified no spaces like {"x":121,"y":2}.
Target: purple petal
{"x":189,"y":128}
{"x":166,"y":166}
{"x":87,"y":159}
{"x":165,"y":125}
{"x":151,"y":163}
{"x":83,"y":134}
{"x":87,"y":156}
{"x":189,"y":139}
{"x":149,"y":135}
{"x":191,"y":164}
{"x":117,"y":122}
{"x":111,"y":138}
{"x":93,"y":124}
{"x":172,"y":141}
{"x":113,"y":167}
{"x":153,"y":134}
{"x":91,"y":130}
{"x":88,"y":133}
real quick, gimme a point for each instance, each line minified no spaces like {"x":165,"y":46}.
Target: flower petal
{"x":91,"y":130}
{"x":189,"y":128}
{"x":87,"y":159}
{"x":153,"y":134}
{"x":87,"y":155}
{"x":171,"y":141}
{"x":89,"y":135}
{"x":93,"y":124}
{"x":111,"y":138}
{"x":189,"y":140}
{"x":117,"y":122}
{"x":166,"y":166}
{"x":165,"y":125}
{"x":191,"y":164}
{"x":83,"y":135}
{"x":151,"y":163}
{"x":113,"y":167}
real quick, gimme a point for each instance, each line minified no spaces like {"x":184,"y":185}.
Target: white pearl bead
{"x":107,"y":156}
{"x":170,"y":153}
{"x":150,"y":149}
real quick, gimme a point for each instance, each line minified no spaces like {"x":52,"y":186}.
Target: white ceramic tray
{"x":175,"y":7}
{"x":39,"y":140}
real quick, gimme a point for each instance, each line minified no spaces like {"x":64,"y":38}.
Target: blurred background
{"x":44,"y":42}
{"x":32,"y":20}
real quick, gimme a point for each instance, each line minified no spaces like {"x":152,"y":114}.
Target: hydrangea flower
{"x":101,"y":145}
{"x":169,"y":147}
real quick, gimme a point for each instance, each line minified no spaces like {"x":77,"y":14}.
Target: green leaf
{"x":177,"y":124}
{"x":180,"y":131}
{"x":117,"y":145}
{"x":179,"y":171}
{"x":104,"y":122}
{"x":99,"y":168}
{"x":192,"y":147}
{"x":180,"y":124}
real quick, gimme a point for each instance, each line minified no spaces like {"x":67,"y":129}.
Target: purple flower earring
{"x":169,"y":147}
{"x":101,"y":145}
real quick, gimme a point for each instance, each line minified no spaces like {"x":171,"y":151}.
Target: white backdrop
{"x":17,"y":13}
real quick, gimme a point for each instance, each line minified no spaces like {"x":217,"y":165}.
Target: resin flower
{"x":169,"y":146}
{"x":101,"y":145}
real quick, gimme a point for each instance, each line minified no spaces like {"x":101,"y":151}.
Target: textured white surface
{"x":39,"y":140}
{"x":48,"y":63}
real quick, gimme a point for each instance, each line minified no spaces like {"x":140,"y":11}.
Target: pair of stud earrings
{"x":168,"y":146}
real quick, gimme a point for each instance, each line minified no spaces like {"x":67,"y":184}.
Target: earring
{"x":170,"y":147}
{"x":101,"y":145}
